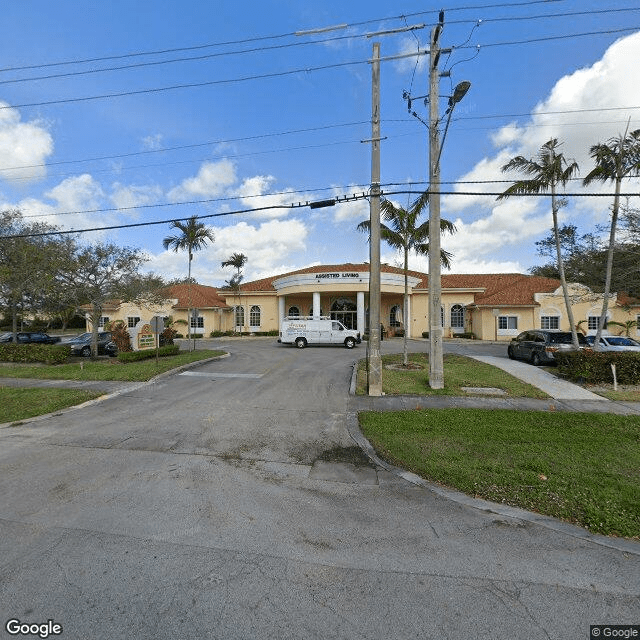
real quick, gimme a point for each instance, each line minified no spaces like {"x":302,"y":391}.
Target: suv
{"x":81,"y":346}
{"x":538,"y":346}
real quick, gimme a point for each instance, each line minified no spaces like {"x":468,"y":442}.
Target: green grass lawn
{"x":582,"y":468}
{"x":459,"y":371}
{"x":106,"y":369}
{"x":20,"y":404}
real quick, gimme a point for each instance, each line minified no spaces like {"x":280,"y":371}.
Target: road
{"x":214,"y":504}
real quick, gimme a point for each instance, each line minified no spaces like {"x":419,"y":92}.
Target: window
{"x":132,"y":321}
{"x":293,"y":312}
{"x":254,"y":316}
{"x":550,"y":322}
{"x":238,"y":314}
{"x":197,"y":323}
{"x":395,"y":316}
{"x":311,"y":312}
{"x":593,"y":322}
{"x":103,"y":320}
{"x":457,"y":316}
{"x":507,"y":322}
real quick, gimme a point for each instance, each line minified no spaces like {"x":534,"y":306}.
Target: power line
{"x":262,"y":49}
{"x":289,"y":72}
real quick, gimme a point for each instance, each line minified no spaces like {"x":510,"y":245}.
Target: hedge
{"x":134,"y":356}
{"x":595,"y":366}
{"x":47,"y":353}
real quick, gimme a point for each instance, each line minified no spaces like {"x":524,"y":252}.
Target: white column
{"x":281,"y":312}
{"x":316,"y":304}
{"x":360,"y":311}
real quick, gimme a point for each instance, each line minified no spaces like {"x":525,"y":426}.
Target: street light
{"x":436,"y":364}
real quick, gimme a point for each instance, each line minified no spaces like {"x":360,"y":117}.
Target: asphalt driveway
{"x":219,"y":504}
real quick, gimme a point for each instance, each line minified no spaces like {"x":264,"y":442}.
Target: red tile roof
{"x":202,"y":296}
{"x":497,"y":288}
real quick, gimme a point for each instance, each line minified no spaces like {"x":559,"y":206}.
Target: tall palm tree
{"x":237,"y":261}
{"x":193,"y":236}
{"x":614,"y":160}
{"x":547,"y":172}
{"x":402,"y":231}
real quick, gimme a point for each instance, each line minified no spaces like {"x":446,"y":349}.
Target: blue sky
{"x":272,"y":118}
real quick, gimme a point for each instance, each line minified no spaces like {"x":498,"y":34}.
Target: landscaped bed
{"x":583,"y":468}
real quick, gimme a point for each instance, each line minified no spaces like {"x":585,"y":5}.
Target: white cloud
{"x":211,"y":181}
{"x":266,"y":245}
{"x":251,"y":194}
{"x":127,"y":196}
{"x":581,"y":110}
{"x":22,"y":144}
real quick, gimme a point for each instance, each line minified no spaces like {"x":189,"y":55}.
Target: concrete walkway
{"x":550,"y":384}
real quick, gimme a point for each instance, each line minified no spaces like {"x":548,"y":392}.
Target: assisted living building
{"x":490,"y":306}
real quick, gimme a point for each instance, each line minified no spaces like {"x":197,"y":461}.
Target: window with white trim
{"x":254,"y":317}
{"x":508,"y":322}
{"x":238,"y":314}
{"x":550,"y":322}
{"x":103,"y":320}
{"x":132,"y":321}
{"x":395,"y":316}
{"x":457,"y":316}
{"x":197,"y":323}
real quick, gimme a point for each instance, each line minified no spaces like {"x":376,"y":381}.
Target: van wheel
{"x":301,"y":343}
{"x":349,"y":343}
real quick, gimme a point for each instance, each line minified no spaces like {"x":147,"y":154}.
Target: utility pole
{"x":436,"y":365}
{"x":375,"y":359}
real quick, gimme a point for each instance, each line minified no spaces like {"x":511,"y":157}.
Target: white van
{"x":305,"y":330}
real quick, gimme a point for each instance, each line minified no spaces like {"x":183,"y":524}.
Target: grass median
{"x":459,"y":372}
{"x":106,"y":368}
{"x":579,"y":467}
{"x":21,"y":404}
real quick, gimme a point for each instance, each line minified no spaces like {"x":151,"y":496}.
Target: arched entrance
{"x":346,"y":311}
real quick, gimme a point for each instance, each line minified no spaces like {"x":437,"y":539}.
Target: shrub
{"x":47,"y":353}
{"x":595,"y":366}
{"x":120,"y":336}
{"x":425,"y":334}
{"x":466,"y":335}
{"x":167,"y":336}
{"x":134,"y":356}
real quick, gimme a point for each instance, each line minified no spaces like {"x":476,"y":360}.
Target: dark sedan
{"x":81,"y":346}
{"x":538,"y":346}
{"x":31,"y":337}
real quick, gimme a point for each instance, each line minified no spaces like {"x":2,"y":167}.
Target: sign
{"x":146,"y":338}
{"x":338,"y":276}
{"x":157,"y":324}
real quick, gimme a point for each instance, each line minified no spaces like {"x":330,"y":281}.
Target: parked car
{"x":81,"y":346}
{"x":615,"y":343}
{"x":111,"y":349}
{"x":539,"y":346}
{"x":30,"y":337}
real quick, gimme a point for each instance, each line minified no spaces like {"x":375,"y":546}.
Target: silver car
{"x":615,"y":343}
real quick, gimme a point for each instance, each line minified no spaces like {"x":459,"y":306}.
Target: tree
{"x":30,"y":258}
{"x":105,"y":272}
{"x":237,"y":261}
{"x":402,"y":231}
{"x":614,"y":160}
{"x":547,"y":172}
{"x":193,"y":236}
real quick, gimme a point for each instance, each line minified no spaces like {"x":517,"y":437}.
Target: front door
{"x":346,"y":311}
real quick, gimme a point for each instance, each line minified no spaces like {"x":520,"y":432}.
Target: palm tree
{"x":403,"y":232}
{"x":547,"y":172}
{"x":237,"y":261}
{"x":614,"y":160}
{"x":193,"y":236}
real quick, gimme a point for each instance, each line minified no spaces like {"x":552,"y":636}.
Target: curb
{"x":133,"y":387}
{"x":506,"y":511}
